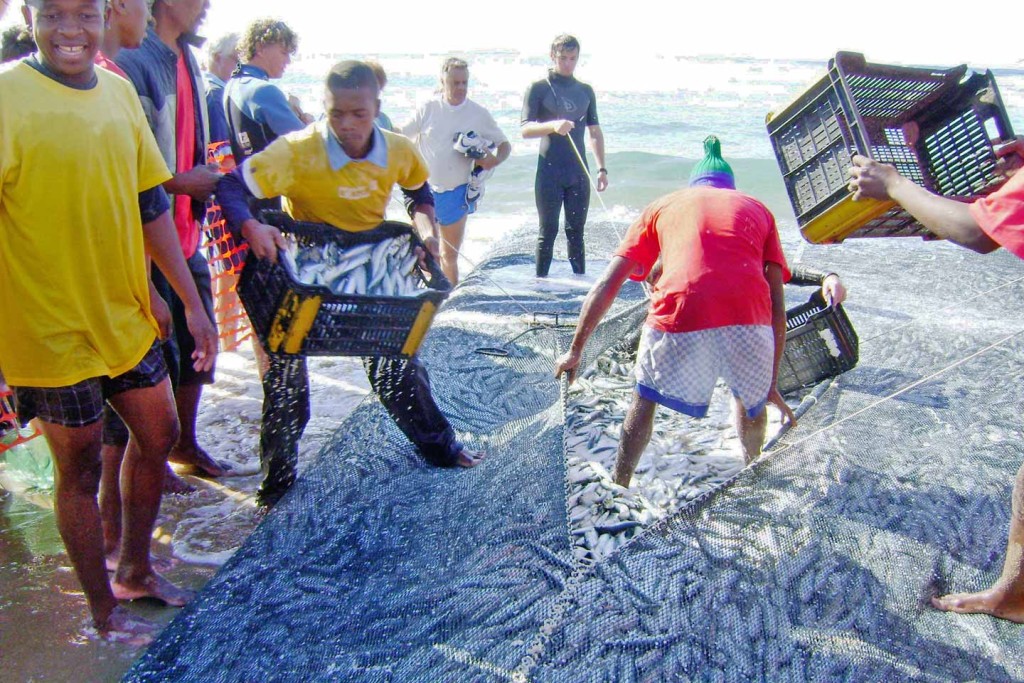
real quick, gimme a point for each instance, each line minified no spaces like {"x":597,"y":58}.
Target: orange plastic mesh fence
{"x":226,"y":260}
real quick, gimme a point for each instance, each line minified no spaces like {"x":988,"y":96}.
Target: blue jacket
{"x":153,"y":70}
{"x":215,"y":108}
{"x":257,"y":112}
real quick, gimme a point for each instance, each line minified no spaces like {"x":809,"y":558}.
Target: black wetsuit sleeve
{"x":153,"y":203}
{"x":234,"y":196}
{"x":413,"y":198}
{"x":531,"y":105}
{"x":804,"y":277}
{"x":592,"y":109}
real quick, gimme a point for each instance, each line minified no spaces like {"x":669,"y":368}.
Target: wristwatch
{"x":603,"y":170}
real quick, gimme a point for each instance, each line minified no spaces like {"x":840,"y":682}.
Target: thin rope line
{"x":483,"y":274}
{"x":608,"y":214}
{"x":897,"y":393}
{"x":593,"y":184}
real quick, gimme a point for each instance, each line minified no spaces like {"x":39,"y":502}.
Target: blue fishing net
{"x":815,"y":564}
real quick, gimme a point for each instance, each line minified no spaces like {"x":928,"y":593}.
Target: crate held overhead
{"x":939,"y":127}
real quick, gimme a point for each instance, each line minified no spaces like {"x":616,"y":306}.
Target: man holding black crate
{"x":983,"y":226}
{"x":340,"y":171}
{"x":258,"y":113}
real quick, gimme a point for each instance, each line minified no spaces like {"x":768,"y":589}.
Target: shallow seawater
{"x":45,"y":632}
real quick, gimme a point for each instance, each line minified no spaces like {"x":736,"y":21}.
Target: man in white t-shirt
{"x":435,"y":128}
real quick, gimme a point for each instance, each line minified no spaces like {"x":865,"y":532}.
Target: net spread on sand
{"x":815,"y":564}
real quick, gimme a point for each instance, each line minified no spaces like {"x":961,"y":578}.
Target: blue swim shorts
{"x":451,"y":206}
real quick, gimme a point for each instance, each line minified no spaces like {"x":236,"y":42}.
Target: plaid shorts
{"x":679,"y":370}
{"x":82,"y":404}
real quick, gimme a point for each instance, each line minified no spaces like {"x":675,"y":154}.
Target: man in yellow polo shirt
{"x":79,"y":175}
{"x":339,"y":171}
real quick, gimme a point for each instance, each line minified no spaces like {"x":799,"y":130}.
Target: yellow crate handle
{"x":419,"y":328}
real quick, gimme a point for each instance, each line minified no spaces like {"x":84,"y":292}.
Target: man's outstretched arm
{"x":947,"y":218}
{"x":597,"y":303}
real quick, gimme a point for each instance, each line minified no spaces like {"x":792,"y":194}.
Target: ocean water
{"x":655,"y":113}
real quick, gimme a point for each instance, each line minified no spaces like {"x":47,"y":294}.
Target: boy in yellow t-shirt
{"x":79,"y":174}
{"x":338,"y":171}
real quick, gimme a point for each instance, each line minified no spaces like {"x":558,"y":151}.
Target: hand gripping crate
{"x":820,"y":343}
{"x":938,"y":127}
{"x":291,"y":317}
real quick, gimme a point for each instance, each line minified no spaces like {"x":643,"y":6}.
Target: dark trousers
{"x":178,"y":348}
{"x":403,"y":387}
{"x":554,"y":189}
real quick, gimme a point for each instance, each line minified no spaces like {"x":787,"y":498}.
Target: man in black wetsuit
{"x":556,"y":109}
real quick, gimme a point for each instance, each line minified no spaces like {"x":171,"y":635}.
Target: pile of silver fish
{"x":385,"y":268}
{"x":685,"y":459}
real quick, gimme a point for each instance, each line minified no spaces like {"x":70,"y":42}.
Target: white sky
{"x":899,"y":31}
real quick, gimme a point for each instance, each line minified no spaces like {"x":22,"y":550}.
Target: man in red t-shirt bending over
{"x":717,"y":308}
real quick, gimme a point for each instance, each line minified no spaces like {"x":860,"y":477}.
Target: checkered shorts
{"x":679,"y":370}
{"x":81,"y":404}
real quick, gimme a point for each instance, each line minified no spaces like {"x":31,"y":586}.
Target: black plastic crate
{"x":820,"y":343}
{"x":939,"y":127}
{"x":291,"y":317}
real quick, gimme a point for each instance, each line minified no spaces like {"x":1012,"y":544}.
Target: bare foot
{"x":121,"y":626}
{"x":153,"y":586}
{"x":468,"y":458}
{"x":199,"y":460}
{"x":993,"y":601}
{"x":261,"y":511}
{"x":175,"y":485}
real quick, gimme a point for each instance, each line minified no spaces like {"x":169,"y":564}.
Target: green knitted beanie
{"x":712,"y":169}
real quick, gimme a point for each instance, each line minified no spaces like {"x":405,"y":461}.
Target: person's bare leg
{"x":110,"y":499}
{"x":188,"y":451}
{"x":150,"y":416}
{"x":451,"y":242}
{"x":1005,"y":599}
{"x":636,"y":432}
{"x":111,"y":456}
{"x":260,"y":356}
{"x":77,"y":467}
{"x":750,"y":430}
